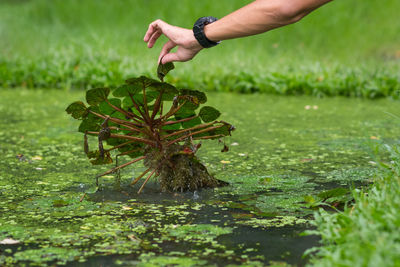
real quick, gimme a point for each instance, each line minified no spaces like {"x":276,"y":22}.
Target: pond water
{"x":284,"y":153}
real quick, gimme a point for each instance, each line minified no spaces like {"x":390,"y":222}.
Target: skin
{"x":257,"y":17}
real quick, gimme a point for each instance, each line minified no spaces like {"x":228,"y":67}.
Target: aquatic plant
{"x":152,"y":121}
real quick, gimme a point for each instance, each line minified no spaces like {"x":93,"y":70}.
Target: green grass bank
{"x":344,"y":48}
{"x":365,"y":234}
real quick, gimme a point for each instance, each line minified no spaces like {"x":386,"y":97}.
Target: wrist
{"x":192,"y":43}
{"x":208,"y":33}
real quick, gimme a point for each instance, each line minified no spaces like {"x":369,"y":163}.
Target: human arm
{"x":255,"y":18}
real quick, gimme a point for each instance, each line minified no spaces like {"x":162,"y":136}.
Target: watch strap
{"x":198,"y":31}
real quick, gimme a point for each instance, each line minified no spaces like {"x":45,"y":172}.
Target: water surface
{"x":285,"y":151}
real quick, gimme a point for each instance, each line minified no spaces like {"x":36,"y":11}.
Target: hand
{"x":187,"y":44}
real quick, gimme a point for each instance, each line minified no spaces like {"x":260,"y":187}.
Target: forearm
{"x":260,"y":16}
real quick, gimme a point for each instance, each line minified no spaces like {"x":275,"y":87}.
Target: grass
{"x":366,"y":234}
{"x":75,"y":44}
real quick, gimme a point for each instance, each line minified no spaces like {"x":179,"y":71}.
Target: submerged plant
{"x":153,"y":121}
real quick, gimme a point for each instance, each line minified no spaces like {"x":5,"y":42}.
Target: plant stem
{"x":172,"y":111}
{"x":140,"y":176}
{"x":188,"y":130}
{"x":146,"y":118}
{"x":85,"y":144}
{"x":146,"y":141}
{"x":126,"y":113}
{"x":127,"y":124}
{"x":157,"y":105}
{"x":129,"y":152}
{"x":191,"y":134}
{"x":146,"y":109}
{"x":208,"y":137}
{"x":121,"y":166}
{"x":178,"y":121}
{"x":121,"y":145}
{"x":147,"y":179}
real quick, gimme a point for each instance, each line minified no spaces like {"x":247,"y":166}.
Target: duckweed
{"x":50,"y":204}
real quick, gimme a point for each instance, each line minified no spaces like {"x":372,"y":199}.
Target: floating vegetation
{"x":288,"y":157}
{"x":278,"y":221}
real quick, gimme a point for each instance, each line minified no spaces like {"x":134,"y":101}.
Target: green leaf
{"x":117,"y":115}
{"x":201,"y":97}
{"x":141,"y":81}
{"x":138,"y":98}
{"x":93,"y":118}
{"x":209,"y":114}
{"x":88,"y":125}
{"x":106,"y":109}
{"x":335,"y":192}
{"x":171,"y":127}
{"x":163,"y":70}
{"x":77,"y":110}
{"x":166,"y":88}
{"x":114,"y":141}
{"x":126,"y":89}
{"x":97,"y":95}
{"x":191,"y":123}
{"x":225,"y":130}
{"x":185,"y":112}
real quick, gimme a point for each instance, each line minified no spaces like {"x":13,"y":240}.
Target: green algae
{"x":205,"y":233}
{"x":283,"y":154}
{"x":150,"y":260}
{"x":278,"y":221}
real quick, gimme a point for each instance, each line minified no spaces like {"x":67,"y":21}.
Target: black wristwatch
{"x":198,"y":31}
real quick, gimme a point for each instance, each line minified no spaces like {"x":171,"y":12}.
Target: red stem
{"x":121,"y":145}
{"x":146,"y":141}
{"x":140,"y":176}
{"x":178,"y":121}
{"x":129,"y":152}
{"x":187,"y":130}
{"x":121,"y":166}
{"x":146,"y":109}
{"x":157,"y":105}
{"x":172,"y":111}
{"x":138,"y":108}
{"x":208,"y":137}
{"x":126,"y":113}
{"x":147,"y":179}
{"x":191,"y":134}
{"x":127,"y":124}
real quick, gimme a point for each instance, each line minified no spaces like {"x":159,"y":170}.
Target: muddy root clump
{"x":180,"y":170}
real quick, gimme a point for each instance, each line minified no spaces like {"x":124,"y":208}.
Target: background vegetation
{"x":365,"y":234}
{"x":344,"y":48}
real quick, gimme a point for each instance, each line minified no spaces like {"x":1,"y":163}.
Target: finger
{"x":153,"y":27}
{"x":149,"y":32}
{"x":154,"y":38}
{"x":165,"y":50}
{"x":171,"y":57}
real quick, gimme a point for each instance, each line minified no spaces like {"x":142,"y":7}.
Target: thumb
{"x":170,"y":57}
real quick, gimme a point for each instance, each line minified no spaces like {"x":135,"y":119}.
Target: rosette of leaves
{"x":151,"y":121}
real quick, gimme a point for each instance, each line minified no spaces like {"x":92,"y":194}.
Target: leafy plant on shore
{"x":153,"y":121}
{"x":365,"y":234}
